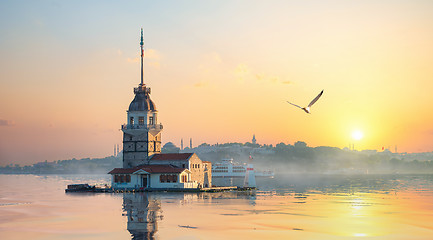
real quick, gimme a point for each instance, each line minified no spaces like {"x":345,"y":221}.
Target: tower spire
{"x":142,"y":55}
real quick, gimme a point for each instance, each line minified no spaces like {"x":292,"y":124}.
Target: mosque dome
{"x":170,"y":148}
{"x":142,"y":102}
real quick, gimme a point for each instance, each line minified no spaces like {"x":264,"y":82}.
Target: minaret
{"x":142,"y":133}
{"x":181,"y":144}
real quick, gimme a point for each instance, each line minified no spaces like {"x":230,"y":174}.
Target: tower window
{"x":131,"y":121}
{"x":150,"y":120}
{"x":140,"y":120}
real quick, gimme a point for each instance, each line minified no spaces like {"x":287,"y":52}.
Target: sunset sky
{"x":220,"y":71}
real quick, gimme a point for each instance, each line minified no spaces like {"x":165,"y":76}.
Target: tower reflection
{"x":143,"y":213}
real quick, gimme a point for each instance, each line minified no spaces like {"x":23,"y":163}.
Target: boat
{"x":86,"y":188}
{"x":227,"y":168}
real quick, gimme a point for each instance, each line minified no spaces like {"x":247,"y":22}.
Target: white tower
{"x":250,"y":176}
{"x":142,"y":133}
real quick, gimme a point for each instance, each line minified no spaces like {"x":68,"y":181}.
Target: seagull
{"x":307,"y":109}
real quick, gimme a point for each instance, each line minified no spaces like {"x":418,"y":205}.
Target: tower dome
{"x":142,"y":101}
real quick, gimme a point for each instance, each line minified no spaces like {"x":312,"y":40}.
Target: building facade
{"x":165,"y":171}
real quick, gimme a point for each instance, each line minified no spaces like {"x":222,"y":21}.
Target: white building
{"x":165,"y":171}
{"x":152,"y":177}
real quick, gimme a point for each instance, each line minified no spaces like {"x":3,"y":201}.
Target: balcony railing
{"x":144,"y":127}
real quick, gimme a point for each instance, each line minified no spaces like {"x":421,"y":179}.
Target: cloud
{"x":242,"y":71}
{"x":202,"y":84}
{"x":6,"y":123}
{"x":133,"y":60}
{"x":152,"y":54}
{"x":152,"y":58}
{"x":154,"y":64}
{"x":260,"y":77}
{"x":209,"y":69}
{"x":275,"y":79}
{"x":213,"y":57}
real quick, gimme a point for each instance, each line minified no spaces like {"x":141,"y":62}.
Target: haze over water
{"x":287,"y":207}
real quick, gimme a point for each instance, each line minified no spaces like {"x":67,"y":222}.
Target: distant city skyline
{"x":219,"y":72}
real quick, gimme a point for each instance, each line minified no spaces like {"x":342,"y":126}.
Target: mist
{"x":300,"y":158}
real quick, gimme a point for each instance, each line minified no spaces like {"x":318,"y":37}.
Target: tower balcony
{"x":142,"y":89}
{"x":146,"y":127}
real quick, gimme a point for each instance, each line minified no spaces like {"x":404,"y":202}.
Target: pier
{"x":93,"y":189}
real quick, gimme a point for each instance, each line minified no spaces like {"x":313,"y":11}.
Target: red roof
{"x":149,"y":168}
{"x":171,"y":156}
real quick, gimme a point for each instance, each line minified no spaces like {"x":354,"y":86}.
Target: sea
{"x":289,"y":206}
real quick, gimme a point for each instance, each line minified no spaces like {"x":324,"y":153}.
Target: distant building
{"x":170,"y":148}
{"x":254,"y":141}
{"x":144,"y":166}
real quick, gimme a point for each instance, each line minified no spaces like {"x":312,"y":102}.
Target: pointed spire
{"x":142,"y":55}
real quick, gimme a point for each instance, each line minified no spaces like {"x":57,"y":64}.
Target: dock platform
{"x":88,"y":188}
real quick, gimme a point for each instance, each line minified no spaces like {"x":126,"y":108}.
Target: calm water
{"x":287,"y":207}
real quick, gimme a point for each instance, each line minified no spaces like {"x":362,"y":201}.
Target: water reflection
{"x":143,"y":213}
{"x":144,"y":210}
{"x":287,"y":207}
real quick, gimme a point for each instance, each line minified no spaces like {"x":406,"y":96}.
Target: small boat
{"x":229,"y":169}
{"x":87,"y":188}
{"x":80,"y":188}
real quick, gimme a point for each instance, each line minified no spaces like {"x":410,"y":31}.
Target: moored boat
{"x":230,"y":169}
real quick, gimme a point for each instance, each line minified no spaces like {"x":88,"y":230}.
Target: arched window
{"x":150,"y":120}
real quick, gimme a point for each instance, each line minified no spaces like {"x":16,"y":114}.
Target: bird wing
{"x":315,"y":99}
{"x":294,"y":104}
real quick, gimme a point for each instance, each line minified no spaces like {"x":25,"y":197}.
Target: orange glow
{"x":222,"y":79}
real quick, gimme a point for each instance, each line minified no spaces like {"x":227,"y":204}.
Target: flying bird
{"x":307,"y":109}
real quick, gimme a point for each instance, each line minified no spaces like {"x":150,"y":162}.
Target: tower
{"x":141,"y":133}
{"x":254,"y":141}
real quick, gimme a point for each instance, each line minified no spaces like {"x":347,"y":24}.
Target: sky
{"x":220,"y":71}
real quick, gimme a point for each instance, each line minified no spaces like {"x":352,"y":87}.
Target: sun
{"x":357,"y":135}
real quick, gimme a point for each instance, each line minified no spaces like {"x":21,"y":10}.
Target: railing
{"x":144,"y":127}
{"x":142,"y":88}
{"x":189,"y":184}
